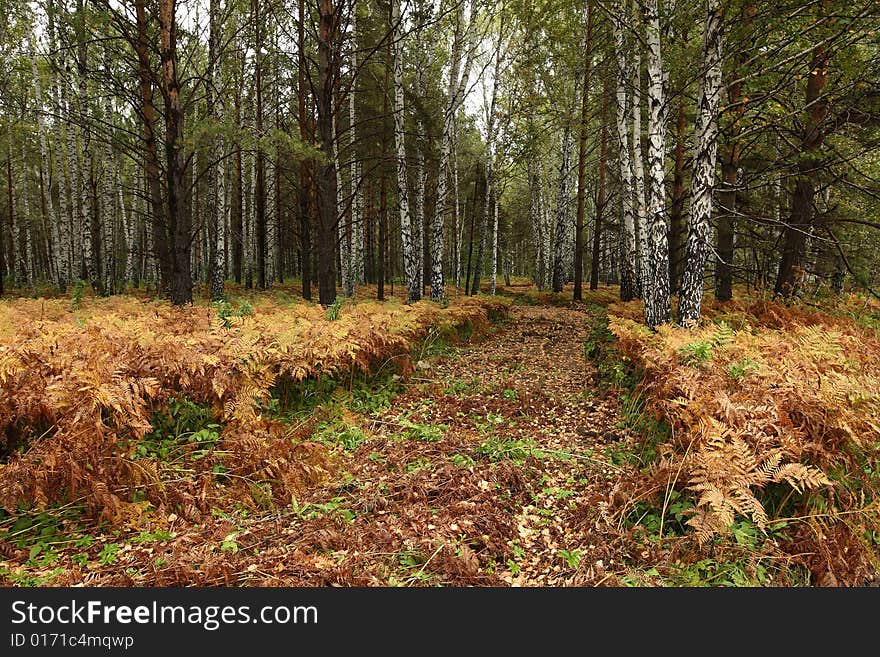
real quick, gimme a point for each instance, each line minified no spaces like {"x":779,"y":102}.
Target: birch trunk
{"x":628,"y":279}
{"x":410,"y":257}
{"x":456,"y":89}
{"x":639,"y":171}
{"x":215,"y":179}
{"x":562,"y":213}
{"x":657,"y":302}
{"x":44,"y":159}
{"x":357,"y":201}
{"x":706,"y":138}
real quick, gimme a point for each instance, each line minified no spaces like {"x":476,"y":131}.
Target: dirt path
{"x":502,"y":465}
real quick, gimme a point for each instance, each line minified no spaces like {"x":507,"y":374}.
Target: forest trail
{"x":487,"y":470}
{"x":489,"y":464}
{"x":534,"y":388}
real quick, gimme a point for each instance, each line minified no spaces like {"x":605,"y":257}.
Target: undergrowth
{"x":757,"y":438}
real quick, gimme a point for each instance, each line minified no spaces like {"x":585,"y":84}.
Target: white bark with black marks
{"x":628,"y":278}
{"x":706,"y":139}
{"x":657,"y":300}
{"x":410,"y":256}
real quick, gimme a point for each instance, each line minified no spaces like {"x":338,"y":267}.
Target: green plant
{"x":695,"y":353}
{"x":498,"y":449}
{"x":333,"y":309}
{"x":426,"y":433}
{"x":108,"y":554}
{"x":738,"y":371}
{"x":572,"y":558}
{"x":509,"y":395}
{"x":76,"y":295}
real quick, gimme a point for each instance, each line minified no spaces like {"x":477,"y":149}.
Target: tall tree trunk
{"x":639,"y":208}
{"x":582,"y":158}
{"x":601,"y":202}
{"x":85,"y":169}
{"x":357,"y":201}
{"x":657,"y":301}
{"x":706,"y":138}
{"x":304,"y":189}
{"x":215,"y":175}
{"x":410,"y":255}
{"x":160,"y":246}
{"x":628,"y":280}
{"x":328,"y":38}
{"x":260,"y":160}
{"x":343,"y":226}
{"x":48,"y":203}
{"x":803,"y":196}
{"x":458,"y":79}
{"x":676,"y":213}
{"x":179,"y":222}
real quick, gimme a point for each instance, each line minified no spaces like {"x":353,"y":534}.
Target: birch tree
{"x":706,"y":139}
{"x":628,"y":278}
{"x":657,"y":301}
{"x":409,"y":245}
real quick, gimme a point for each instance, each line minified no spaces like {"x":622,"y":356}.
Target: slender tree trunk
{"x":215,"y":175}
{"x":676,"y":213}
{"x":657,"y":301}
{"x":639,"y":207}
{"x":706,"y":138}
{"x":458,"y":79}
{"x":44,"y":160}
{"x":160,"y":247}
{"x":357,"y":201}
{"x":730,"y":162}
{"x":410,"y":255}
{"x":582,"y":158}
{"x":260,"y":244}
{"x":85,"y":170}
{"x":596,"y":258}
{"x":628,"y":280}
{"x":304,"y":190}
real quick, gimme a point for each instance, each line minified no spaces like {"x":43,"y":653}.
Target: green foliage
{"x":76,"y":295}
{"x":425,"y":433}
{"x":695,"y":353}
{"x":739,"y":370}
{"x":499,"y":449}
{"x":333,"y":309}
{"x":225,"y":310}
{"x":182,"y":426}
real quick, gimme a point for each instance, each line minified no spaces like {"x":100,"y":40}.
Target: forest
{"x":440,"y":293}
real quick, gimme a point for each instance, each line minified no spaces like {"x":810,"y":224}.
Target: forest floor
{"x":487,"y":465}
{"x":532,"y":450}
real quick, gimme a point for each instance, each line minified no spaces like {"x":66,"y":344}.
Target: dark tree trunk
{"x":326,"y":176}
{"x":260,"y":164}
{"x":237,"y":212}
{"x":304,"y":191}
{"x":801,"y":221}
{"x":730,"y":161}
{"x":179,"y":221}
{"x":158,"y":225}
